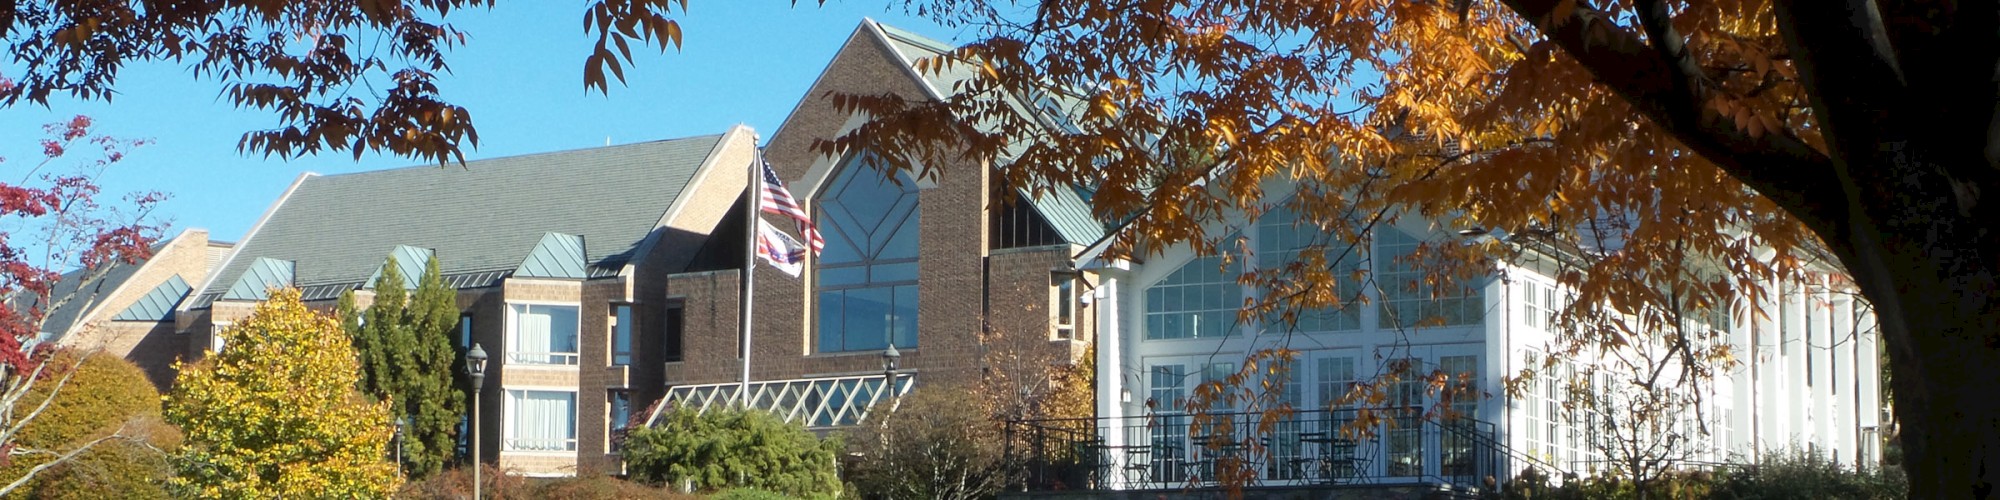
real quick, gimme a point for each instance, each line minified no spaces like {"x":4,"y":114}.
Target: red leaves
{"x":68,"y":230}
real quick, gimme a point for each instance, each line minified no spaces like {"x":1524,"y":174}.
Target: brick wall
{"x":953,"y":267}
{"x":152,"y":345}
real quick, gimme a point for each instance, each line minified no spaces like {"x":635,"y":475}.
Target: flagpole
{"x":751,"y":203}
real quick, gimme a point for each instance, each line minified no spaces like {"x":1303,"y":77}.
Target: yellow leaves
{"x":276,"y":414}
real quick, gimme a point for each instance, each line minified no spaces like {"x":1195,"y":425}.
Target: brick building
{"x":924,"y":264}
{"x":129,"y":310}
{"x":559,"y":260}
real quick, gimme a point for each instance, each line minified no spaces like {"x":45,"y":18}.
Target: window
{"x":465,"y":331}
{"x":1336,"y":378}
{"x":1065,"y":304}
{"x":1196,"y":301}
{"x":1406,"y":398}
{"x":1464,"y":388}
{"x":1225,"y":393}
{"x":1409,"y":297}
{"x":1538,"y":304}
{"x":1169,"y":387}
{"x":540,"y":421}
{"x":621,"y":334}
{"x":543,"y":335}
{"x":215,"y":340}
{"x":1282,"y":239}
{"x":672,"y":334}
{"x":867,"y":277}
{"x":618,"y":416}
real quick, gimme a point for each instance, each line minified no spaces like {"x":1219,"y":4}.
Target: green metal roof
{"x":480,"y":218}
{"x":410,"y":262}
{"x":557,"y":256}
{"x":158,"y":304}
{"x":263,"y":274}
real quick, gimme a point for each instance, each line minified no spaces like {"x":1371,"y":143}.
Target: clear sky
{"x":520,"y":74}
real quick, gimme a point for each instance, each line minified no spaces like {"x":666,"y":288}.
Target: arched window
{"x":1283,"y":239}
{"x":866,"y":279}
{"x":1197,"y":301}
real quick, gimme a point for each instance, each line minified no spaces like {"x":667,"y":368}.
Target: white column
{"x":1841,"y":423}
{"x":1868,"y":375}
{"x":1110,"y":368}
{"x":1818,"y":304}
{"x":1798,"y":416}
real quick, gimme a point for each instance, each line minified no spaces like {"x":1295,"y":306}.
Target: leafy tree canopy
{"x":301,"y":61}
{"x":1678,"y":153}
{"x":276,"y":413}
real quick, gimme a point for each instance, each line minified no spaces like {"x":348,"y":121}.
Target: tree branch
{"x":1781,"y":167}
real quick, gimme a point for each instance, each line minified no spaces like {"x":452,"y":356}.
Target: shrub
{"x":105,"y":395}
{"x":728,"y":448}
{"x":933,"y":445}
{"x":601,"y":487}
{"x":456,"y":483}
{"x":747,"y":494}
{"x":1783,"y":475}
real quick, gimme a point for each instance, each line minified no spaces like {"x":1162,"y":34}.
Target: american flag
{"x":778,"y":201}
{"x":780,"y":249}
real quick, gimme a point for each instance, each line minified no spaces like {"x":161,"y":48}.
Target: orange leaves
{"x":617,"y":23}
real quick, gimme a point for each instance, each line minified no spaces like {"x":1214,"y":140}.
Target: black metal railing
{"x":1343,"y":446}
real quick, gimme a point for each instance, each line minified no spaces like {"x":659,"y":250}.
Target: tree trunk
{"x":1925,"y":259}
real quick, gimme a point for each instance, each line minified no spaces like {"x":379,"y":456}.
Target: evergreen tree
{"x":431,"y":396}
{"x":388,"y":337}
{"x":350,"y":324}
{"x":407,"y":356}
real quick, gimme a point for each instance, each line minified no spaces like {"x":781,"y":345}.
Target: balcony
{"x":1299,"y":450}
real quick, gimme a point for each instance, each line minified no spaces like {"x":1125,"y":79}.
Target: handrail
{"x":1304,"y":447}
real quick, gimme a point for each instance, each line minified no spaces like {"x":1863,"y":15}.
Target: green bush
{"x":456,"y":483}
{"x":1798,"y":474}
{"x":105,"y":395}
{"x":600,"y":487}
{"x":747,"y":494}
{"x":726,"y":448}
{"x":933,"y":446}
{"x":1783,"y":475}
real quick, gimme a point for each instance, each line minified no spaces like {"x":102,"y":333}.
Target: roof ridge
{"x":527,"y":155}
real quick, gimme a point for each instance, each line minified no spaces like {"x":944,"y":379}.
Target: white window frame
{"x":508,"y":439}
{"x":540,"y":358}
{"x":1063,"y":309}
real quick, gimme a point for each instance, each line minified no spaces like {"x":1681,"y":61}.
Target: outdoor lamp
{"x":889,"y":359}
{"x":475,"y":365}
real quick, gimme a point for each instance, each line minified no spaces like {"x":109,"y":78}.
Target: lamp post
{"x":475,"y":365}
{"x":889,"y":359}
{"x":400,"y":422}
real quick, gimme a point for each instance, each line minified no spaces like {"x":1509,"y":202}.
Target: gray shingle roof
{"x":485,"y":217}
{"x":1063,"y":208}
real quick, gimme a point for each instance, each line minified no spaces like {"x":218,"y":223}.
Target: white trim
{"x":237,"y":249}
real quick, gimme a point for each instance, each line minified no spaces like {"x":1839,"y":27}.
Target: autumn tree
{"x":275,"y":414}
{"x":61,"y":241}
{"x":406,"y":355}
{"x":299,"y":61}
{"x":1758,"y":136}
{"x":106,"y":399}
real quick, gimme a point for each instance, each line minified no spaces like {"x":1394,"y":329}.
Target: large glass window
{"x":1197,"y":301}
{"x":1410,"y":297}
{"x":543,"y":335}
{"x":1283,"y":239}
{"x":867,"y":276}
{"x":621,"y":334}
{"x":541,"y":421}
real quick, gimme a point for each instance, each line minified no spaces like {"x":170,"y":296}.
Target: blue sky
{"x":520,"y":74}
